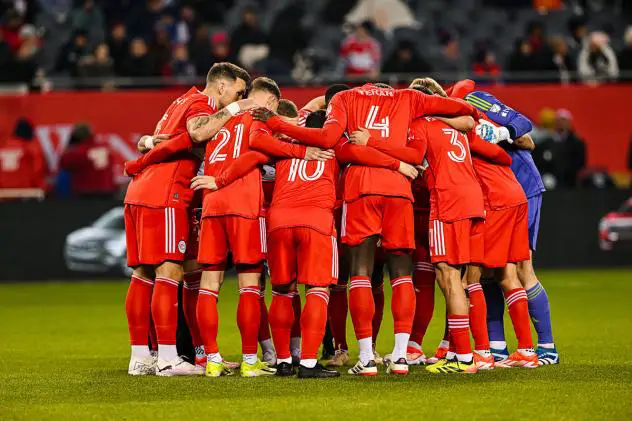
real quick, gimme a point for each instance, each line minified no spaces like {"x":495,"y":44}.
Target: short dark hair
{"x":333,"y":90}
{"x":287,"y":108}
{"x":383,"y":85}
{"x":316,"y":119}
{"x":228,"y":71}
{"x":263,"y":83}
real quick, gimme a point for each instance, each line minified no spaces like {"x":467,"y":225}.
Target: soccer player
{"x":156,"y":217}
{"x":374,"y":197}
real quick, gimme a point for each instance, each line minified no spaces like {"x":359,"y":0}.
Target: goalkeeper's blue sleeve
{"x":501,"y":114}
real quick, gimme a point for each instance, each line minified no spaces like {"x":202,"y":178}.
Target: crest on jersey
{"x":269,"y":173}
{"x":182,"y":246}
{"x":495,"y":108}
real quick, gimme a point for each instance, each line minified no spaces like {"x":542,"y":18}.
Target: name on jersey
{"x":378,"y":92}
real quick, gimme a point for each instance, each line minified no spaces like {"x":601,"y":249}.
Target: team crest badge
{"x":182,"y":246}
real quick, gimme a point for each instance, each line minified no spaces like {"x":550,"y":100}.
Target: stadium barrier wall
{"x":33,"y":235}
{"x":600,"y":115}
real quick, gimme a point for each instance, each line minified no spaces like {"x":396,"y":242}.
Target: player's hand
{"x":421,"y":168}
{"x":204,"y":182}
{"x":160,"y":138}
{"x":262,"y":114}
{"x":317,"y":154}
{"x":360,"y":137}
{"x":487,"y":131}
{"x":408,"y":170}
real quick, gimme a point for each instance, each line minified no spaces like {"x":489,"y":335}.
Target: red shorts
{"x":389,"y":217}
{"x":456,"y":243}
{"x":194,"y":234}
{"x":422,"y":246}
{"x":303,"y":254}
{"x":155,"y":235}
{"x":244,"y":238}
{"x":506,"y":236}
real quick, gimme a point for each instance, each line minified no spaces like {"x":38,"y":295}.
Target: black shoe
{"x":284,"y":370}
{"x":317,"y":372}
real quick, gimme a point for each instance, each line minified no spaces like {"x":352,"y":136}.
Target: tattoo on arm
{"x":203,"y":128}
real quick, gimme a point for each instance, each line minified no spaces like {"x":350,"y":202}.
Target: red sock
{"x":248,"y":319}
{"x":424,"y":283}
{"x":138,"y":309}
{"x":313,"y":322}
{"x":296,"y":305}
{"x":208,"y":319}
{"x":153,"y":338}
{"x":378,"y":299}
{"x":338,"y":310}
{"x":164,"y":310}
{"x":281,"y":320}
{"x":478,"y":317}
{"x":519,"y":312}
{"x":459,"y":326}
{"x":189,"y":304}
{"x":403,"y":304}
{"x":264,"y":325}
{"x":361,"y":306}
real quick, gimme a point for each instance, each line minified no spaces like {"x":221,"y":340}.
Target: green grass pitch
{"x":64,"y":355}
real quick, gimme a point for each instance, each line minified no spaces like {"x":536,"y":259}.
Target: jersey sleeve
{"x":461,"y":88}
{"x":262,"y":140}
{"x":200,"y":107}
{"x":517,"y":124}
{"x":326,"y":137}
{"x":422,"y":104}
{"x":240,"y":167}
{"x":348,"y":153}
{"x":488,"y":151}
{"x":160,"y":153}
{"x":412,"y":154}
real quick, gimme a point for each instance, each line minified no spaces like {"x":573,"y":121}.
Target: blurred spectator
{"x":220,"y":49}
{"x":89,"y":164}
{"x":535,"y":36}
{"x":624,"y":57}
{"x":563,"y":156}
{"x":210,"y":11}
{"x":335,"y":11}
{"x":52,"y":22}
{"x":597,"y":61}
{"x":26,"y":58}
{"x":562,"y":60}
{"x":484,"y":65}
{"x":181,"y":65}
{"x":12,"y":22}
{"x":544,"y":6}
{"x":160,"y":50}
{"x":521,"y":59}
{"x":200,"y":50}
{"x":98,"y":65}
{"x":184,"y":26}
{"x":89,"y":19}
{"x":361,"y":53}
{"x":387,"y":15}
{"x":139,"y":63}
{"x":286,"y":38}
{"x":22,"y":162}
{"x":72,"y":53}
{"x":449,"y":59}
{"x":119,"y":47}
{"x":248,"y":41}
{"x":579,"y":31}
{"x":545,"y":128}
{"x":405,"y":59}
{"x":6,"y":61}
{"x":142,"y":23}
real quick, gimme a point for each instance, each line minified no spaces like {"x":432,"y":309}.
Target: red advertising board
{"x":600,"y":115}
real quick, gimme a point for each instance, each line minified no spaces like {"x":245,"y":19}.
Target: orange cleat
{"x":484,"y":361}
{"x":415,"y":356}
{"x":519,"y":359}
{"x":440,"y":354}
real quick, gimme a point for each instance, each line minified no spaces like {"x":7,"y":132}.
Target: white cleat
{"x":177,"y":367}
{"x":370,"y":369}
{"x":396,"y":367}
{"x":377,"y":357}
{"x":141,"y":366}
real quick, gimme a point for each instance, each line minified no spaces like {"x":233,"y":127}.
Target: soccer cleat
{"x":518,"y":359}
{"x":484,"y":360}
{"x":377,"y":357}
{"x":269,"y":358}
{"x":259,"y":368}
{"x":439,"y":355}
{"x":214,"y":369}
{"x":141,"y":366}
{"x":285,"y":370}
{"x":396,"y":367}
{"x":499,"y":354}
{"x":547,"y":356}
{"x":200,"y":356}
{"x":341,"y":357}
{"x":415,"y":356}
{"x":370,"y":369}
{"x":452,"y":366}
{"x":316,"y":372}
{"x":177,"y":367}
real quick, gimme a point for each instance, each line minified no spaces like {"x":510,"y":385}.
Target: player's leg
{"x":478,"y":318}
{"x":190,"y":293}
{"x":377,"y":289}
{"x":338,"y":310}
{"x":495,"y":301}
{"x":295,"y":339}
{"x":265,"y":338}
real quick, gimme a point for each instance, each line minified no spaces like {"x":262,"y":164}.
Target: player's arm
{"x":315,"y":104}
{"x":412,"y":154}
{"x":462,"y":123}
{"x":525,"y":142}
{"x":424,"y":104}
{"x":203,"y":127}
{"x":488,"y":151}
{"x":348,"y":153}
{"x":236,"y":170}
{"x":261,"y":139}
{"x":160,"y":153}
{"x":516,"y":123}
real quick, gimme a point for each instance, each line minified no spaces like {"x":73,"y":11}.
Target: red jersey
{"x":243,"y":197}
{"x":500,"y":187}
{"x":304,"y":195}
{"x":360,"y":56}
{"x":455,"y":193}
{"x":90,"y":166}
{"x":21,"y":165}
{"x":166,"y":184}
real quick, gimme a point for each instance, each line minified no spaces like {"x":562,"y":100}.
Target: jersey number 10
{"x":299,"y":167}
{"x":223,"y":137}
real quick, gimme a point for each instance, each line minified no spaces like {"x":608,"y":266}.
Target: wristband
{"x":233,"y":108}
{"x":149,"y":142}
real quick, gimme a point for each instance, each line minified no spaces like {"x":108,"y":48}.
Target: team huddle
{"x":414,"y":180}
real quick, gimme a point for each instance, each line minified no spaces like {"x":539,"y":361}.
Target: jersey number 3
{"x":454,"y":140}
{"x":222,"y":138}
